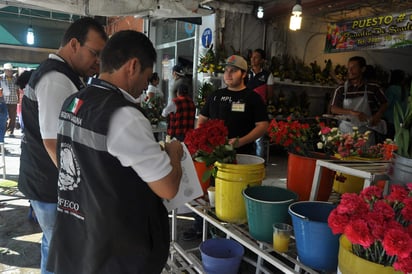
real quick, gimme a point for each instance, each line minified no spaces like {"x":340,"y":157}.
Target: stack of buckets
{"x":240,"y":197}
{"x":231,"y":180}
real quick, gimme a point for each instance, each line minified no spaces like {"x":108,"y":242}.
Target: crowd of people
{"x":90,"y":164}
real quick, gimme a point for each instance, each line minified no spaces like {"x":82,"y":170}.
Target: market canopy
{"x":160,"y":8}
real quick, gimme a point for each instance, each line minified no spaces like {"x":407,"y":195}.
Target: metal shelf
{"x":370,"y":171}
{"x":285,"y":262}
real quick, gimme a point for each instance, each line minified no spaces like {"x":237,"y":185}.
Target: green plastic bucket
{"x":266,"y":205}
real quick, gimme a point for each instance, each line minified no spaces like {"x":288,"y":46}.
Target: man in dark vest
{"x":55,"y":79}
{"x":113,"y":174}
{"x":261,"y":81}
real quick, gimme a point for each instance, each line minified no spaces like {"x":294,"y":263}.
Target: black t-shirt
{"x":239,"y":109}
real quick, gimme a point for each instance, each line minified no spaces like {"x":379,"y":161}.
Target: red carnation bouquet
{"x":293,"y":135}
{"x":379,"y":227}
{"x":209,"y":143}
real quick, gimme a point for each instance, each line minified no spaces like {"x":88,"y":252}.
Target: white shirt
{"x":171,"y":107}
{"x":51,"y":91}
{"x":130,"y":139}
{"x":155,"y":90}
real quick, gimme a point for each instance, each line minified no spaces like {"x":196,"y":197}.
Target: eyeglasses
{"x":92,"y":51}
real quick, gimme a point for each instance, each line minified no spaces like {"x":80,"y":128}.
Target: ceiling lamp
{"x":260,"y":12}
{"x":295,"y":19}
{"x":30,"y":35}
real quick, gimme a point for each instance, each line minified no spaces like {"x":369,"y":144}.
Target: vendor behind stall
{"x":359,"y":102}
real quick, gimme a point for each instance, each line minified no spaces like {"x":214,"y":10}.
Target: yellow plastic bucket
{"x":345,"y":183}
{"x":230,"y":181}
{"x":237,"y":176}
{"x":244,"y":162}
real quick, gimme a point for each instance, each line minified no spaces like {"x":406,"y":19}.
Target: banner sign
{"x":375,"y":32}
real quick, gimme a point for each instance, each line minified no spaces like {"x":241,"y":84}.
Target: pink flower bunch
{"x":379,"y":227}
{"x":333,"y":141}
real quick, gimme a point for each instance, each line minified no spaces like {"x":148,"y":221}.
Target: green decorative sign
{"x":376,"y":32}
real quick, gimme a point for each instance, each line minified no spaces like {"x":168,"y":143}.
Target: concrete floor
{"x":20,"y":238}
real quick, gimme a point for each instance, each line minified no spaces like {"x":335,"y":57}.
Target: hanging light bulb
{"x":295,"y":19}
{"x":30,"y":35}
{"x":260,"y":12}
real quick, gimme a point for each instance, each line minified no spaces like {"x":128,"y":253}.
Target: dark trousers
{"x":11,"y":122}
{"x":3,"y":120}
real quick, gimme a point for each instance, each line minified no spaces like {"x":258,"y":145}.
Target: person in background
{"x":361,"y":102}
{"x":113,"y":174}
{"x":179,"y":78}
{"x":3,"y":118}
{"x":153,"y":92}
{"x":261,"y":81}
{"x":11,"y":96}
{"x":242,"y":109}
{"x":21,"y":82}
{"x":395,"y":93}
{"x":53,"y":81}
{"x":180,"y":114}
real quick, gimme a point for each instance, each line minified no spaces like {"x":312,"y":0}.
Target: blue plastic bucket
{"x":317,"y":247}
{"x":221,"y":254}
{"x":266,"y":205}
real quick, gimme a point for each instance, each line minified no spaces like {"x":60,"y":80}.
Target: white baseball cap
{"x":7,"y":66}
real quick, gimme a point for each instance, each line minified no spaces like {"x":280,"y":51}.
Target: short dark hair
{"x":80,"y":28}
{"x":154,"y":77}
{"x":23,"y":79}
{"x":183,"y":89}
{"x":123,"y":46}
{"x":261,"y":52}
{"x":361,"y":61}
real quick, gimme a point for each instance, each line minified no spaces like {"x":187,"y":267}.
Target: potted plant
{"x":400,"y":169}
{"x":205,"y":90}
{"x":208,"y":144}
{"x":376,"y":230}
{"x":297,"y":138}
{"x":210,"y":63}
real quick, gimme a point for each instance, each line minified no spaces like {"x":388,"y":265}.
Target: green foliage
{"x":205,"y":90}
{"x":403,"y":128}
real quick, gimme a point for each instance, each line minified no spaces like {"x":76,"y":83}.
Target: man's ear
{"x":134,"y":66}
{"x":74,"y":44}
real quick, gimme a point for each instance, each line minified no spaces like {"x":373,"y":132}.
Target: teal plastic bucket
{"x":317,"y":247}
{"x":220,"y":254}
{"x":266,"y":205}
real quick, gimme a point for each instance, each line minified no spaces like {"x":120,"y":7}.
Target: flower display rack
{"x":265,"y":255}
{"x":370,"y":171}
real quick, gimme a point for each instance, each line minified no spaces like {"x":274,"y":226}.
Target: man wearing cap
{"x":11,"y":96}
{"x":242,"y":109}
{"x":244,"y":114}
